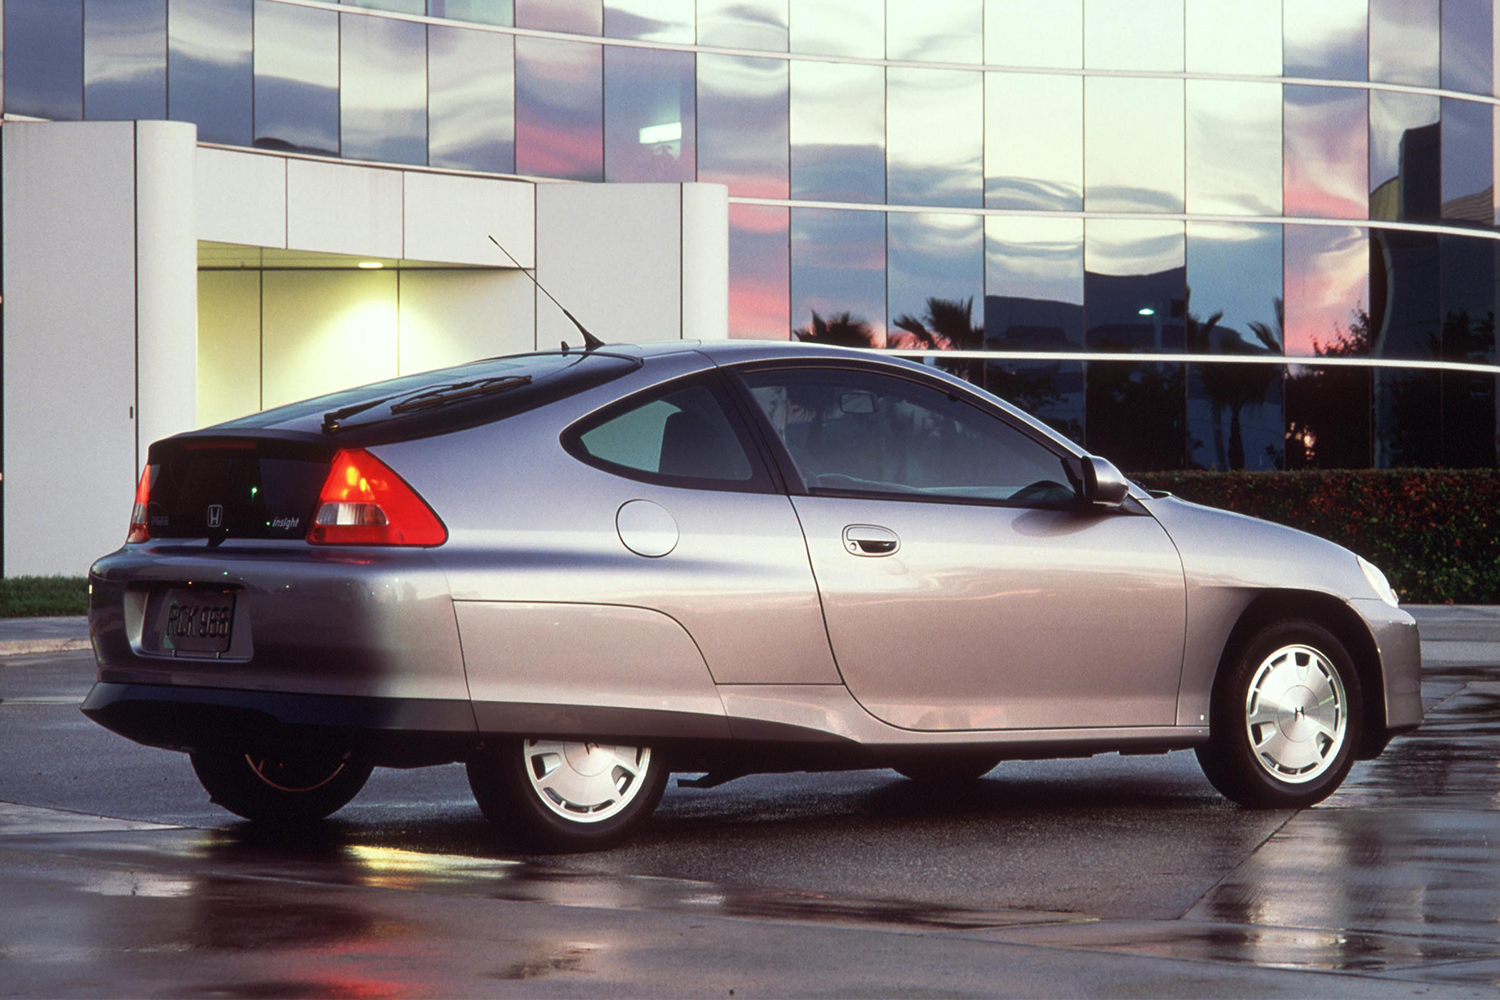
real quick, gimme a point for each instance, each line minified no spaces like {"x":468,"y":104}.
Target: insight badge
{"x":286,"y":523}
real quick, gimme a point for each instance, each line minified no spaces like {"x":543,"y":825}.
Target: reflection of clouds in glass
{"x":650,"y":20}
{"x":1327,"y":281}
{"x":1039,"y":161}
{"x":1234,"y":36}
{"x":471,"y":100}
{"x":935,"y":137}
{"x":1468,"y":161}
{"x":1133,"y":246}
{"x":1134,"y":145}
{"x":1326,"y":139}
{"x":124,"y":61}
{"x":1391,"y":115}
{"x":838,"y":28}
{"x":1234,"y":268}
{"x":296,"y":78}
{"x":209,"y":67}
{"x":933,"y":255}
{"x":43,"y":56}
{"x":759,"y":266}
{"x":1027,"y":33}
{"x":935,"y":30}
{"x":1404,"y":42}
{"x":1325,"y":39}
{"x":1468,"y":46}
{"x":383,"y":99}
{"x":838,"y":265}
{"x":1141,"y":34}
{"x":577,"y":17}
{"x":838,"y":132}
{"x":647,"y":90}
{"x":1027,"y":257}
{"x":742,"y":124}
{"x":481,"y":11}
{"x":743,"y":24}
{"x":1233,"y":148}
{"x":559,"y":109}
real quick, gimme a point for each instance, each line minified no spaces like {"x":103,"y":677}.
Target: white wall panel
{"x":705,"y":262}
{"x":228,"y":345}
{"x":341,"y":208}
{"x":241,"y":197}
{"x":325,"y":330}
{"x":449,"y":219}
{"x":453,"y":317}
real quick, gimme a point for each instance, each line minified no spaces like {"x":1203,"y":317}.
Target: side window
{"x":861,"y":432}
{"x":679,"y":437}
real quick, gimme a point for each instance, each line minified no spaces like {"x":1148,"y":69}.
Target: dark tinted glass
{"x":481,"y":11}
{"x":1027,"y":33}
{"x":210,"y":78}
{"x":1468,"y":45}
{"x":1233,"y":148}
{"x":1405,"y":143}
{"x":559,"y":109}
{"x":759,"y":266}
{"x":838,"y":277}
{"x":1034,"y":156}
{"x":935,"y":280}
{"x":1468,"y":161}
{"x":1327,"y":418}
{"x":1234,"y":36}
{"x":296,"y":78}
{"x":650,"y":133}
{"x":1404,"y":42}
{"x":1408,"y":413}
{"x":742,"y":124}
{"x":1327,"y":290}
{"x":838,"y":132}
{"x":651,"y":20}
{"x":679,"y":435}
{"x":743,"y":24}
{"x":935,"y":30}
{"x":1033,"y":283}
{"x":1325,"y":152}
{"x":577,"y":17}
{"x":471,"y":100}
{"x":383,"y":92}
{"x":1141,"y":34}
{"x":838,"y":28}
{"x":44,"y":58}
{"x":1051,"y":391}
{"x":1234,"y":417}
{"x":1469,"y":269}
{"x":1136,"y":414}
{"x":1326,"y":39}
{"x":1404,"y":294}
{"x":934,"y":137}
{"x":1135,"y":289}
{"x":1122,"y":117}
{"x":125,"y":59}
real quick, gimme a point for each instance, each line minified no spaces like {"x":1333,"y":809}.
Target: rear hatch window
{"x":233,"y":489}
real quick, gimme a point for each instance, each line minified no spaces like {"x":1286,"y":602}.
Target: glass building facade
{"x":1188,"y":233}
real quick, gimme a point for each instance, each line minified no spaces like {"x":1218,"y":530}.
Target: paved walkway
{"x":43,"y":635}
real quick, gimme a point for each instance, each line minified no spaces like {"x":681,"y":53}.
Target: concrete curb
{"x":18,"y":647}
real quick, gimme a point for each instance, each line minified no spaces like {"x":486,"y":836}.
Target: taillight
{"x":140,"y":530}
{"x":364,"y":503}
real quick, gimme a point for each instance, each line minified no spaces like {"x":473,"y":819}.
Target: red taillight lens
{"x":140,"y":530}
{"x":364,"y":503}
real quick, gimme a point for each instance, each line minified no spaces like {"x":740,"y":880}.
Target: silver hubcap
{"x":1296,"y":714}
{"x":585,"y":782}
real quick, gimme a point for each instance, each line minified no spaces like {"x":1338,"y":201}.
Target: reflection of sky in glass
{"x":934,"y":137}
{"x":1468,"y":291}
{"x":482,"y":11}
{"x":1134,"y":284}
{"x":1133,"y":246}
{"x":743,"y":24}
{"x":383,"y":100}
{"x":1033,"y":282}
{"x":209,"y":67}
{"x":935,"y":30}
{"x":1468,"y":161}
{"x":1035,"y":156}
{"x":471,"y":81}
{"x":759,"y":272}
{"x":838,"y":28}
{"x":1393,"y":116}
{"x":1133,"y":144}
{"x":933,"y":255}
{"x":578,"y":17}
{"x":296,"y":78}
{"x":559,"y":113}
{"x":1233,"y":147}
{"x":649,"y":134}
{"x":1234,"y":269}
{"x":1325,"y":152}
{"x":1468,"y":44}
{"x":651,"y":20}
{"x":399,"y":6}
{"x":838,"y":266}
{"x":742,"y":124}
{"x":125,"y":59}
{"x":1234,"y":36}
{"x":1027,"y":33}
{"x":838,"y":132}
{"x":1326,"y":39}
{"x":1327,"y":281}
{"x":1234,"y":417}
{"x":44,"y":58}
{"x":1404,"y":42}
{"x":1141,"y":34}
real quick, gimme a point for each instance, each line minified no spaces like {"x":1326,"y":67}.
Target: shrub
{"x":24,"y":596}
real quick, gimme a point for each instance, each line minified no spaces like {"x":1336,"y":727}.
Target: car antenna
{"x":590,"y":342}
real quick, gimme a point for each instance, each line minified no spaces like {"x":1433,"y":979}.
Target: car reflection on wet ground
{"x":1116,"y":876}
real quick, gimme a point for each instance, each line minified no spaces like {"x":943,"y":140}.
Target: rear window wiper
{"x":426,"y":399}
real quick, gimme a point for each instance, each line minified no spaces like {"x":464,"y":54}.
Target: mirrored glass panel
{"x":934,"y":137}
{"x":934,"y":281}
{"x":44,"y":58}
{"x":1325,"y":152}
{"x":1327,"y":291}
{"x":1141,"y":34}
{"x":838,"y":28}
{"x":296,"y":78}
{"x":471,"y":94}
{"x":1234,"y":36}
{"x":1027,"y":33}
{"x":1327,"y":417}
{"x":1134,"y":285}
{"x":759,"y":272}
{"x":210,"y":80}
{"x":1033,"y":283}
{"x":125,"y":59}
{"x":1326,"y":39}
{"x":399,"y":6}
{"x":1134,"y":145}
{"x":480,"y":11}
{"x":742,"y":124}
{"x":1408,"y":416}
{"x":1136,"y":414}
{"x":935,"y":30}
{"x":578,"y":17}
{"x":650,"y":133}
{"x":383,"y":97}
{"x":1468,"y":162}
{"x":1469,"y":268}
{"x":743,"y":24}
{"x":1404,"y":294}
{"x":1034,"y":156}
{"x":838,"y":277}
{"x":1404,"y":42}
{"x":651,"y":20}
{"x":1233,"y":147}
{"x":1405,"y":167}
{"x":838,"y":132}
{"x":1468,"y":46}
{"x":559,"y":113}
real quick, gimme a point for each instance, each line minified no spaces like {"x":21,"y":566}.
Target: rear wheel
{"x":944,"y":771}
{"x":1286,"y":718}
{"x":556,"y":795}
{"x":285,"y":787}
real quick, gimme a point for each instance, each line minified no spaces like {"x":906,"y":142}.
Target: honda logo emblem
{"x":215,"y":515}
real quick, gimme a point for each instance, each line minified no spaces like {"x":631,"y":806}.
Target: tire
{"x":939,"y":772}
{"x":286,"y":788}
{"x":559,"y":796}
{"x":1286,"y":718}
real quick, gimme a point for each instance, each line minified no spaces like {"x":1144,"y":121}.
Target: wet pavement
{"x":1113,"y":876}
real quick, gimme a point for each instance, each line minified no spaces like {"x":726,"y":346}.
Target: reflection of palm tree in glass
{"x":839,"y":329}
{"x":948,"y":325}
{"x":1233,"y":387}
{"x":1320,"y":432}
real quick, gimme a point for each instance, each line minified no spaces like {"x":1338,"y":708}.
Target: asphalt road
{"x":1112,"y":876}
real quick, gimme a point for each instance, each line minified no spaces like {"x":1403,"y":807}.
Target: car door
{"x":964,"y":585}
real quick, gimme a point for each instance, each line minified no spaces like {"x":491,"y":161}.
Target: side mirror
{"x":1103,"y":484}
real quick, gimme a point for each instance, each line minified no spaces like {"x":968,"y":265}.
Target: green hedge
{"x":1435,"y":533}
{"x":27,"y":596}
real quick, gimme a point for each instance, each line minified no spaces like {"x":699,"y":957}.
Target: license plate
{"x":195,"y":621}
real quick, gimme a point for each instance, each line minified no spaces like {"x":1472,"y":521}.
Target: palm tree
{"x":1233,"y":387}
{"x":839,"y":329}
{"x":948,"y":325}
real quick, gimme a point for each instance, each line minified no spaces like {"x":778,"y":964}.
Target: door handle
{"x":870,"y":540}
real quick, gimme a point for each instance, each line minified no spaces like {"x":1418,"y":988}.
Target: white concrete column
{"x":705,"y":262}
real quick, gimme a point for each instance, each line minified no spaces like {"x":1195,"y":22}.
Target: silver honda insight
{"x":577,"y":571}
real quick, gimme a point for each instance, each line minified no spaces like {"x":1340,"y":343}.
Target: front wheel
{"x":1286,"y":718}
{"x":280,"y":787}
{"x":555,"y":795}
